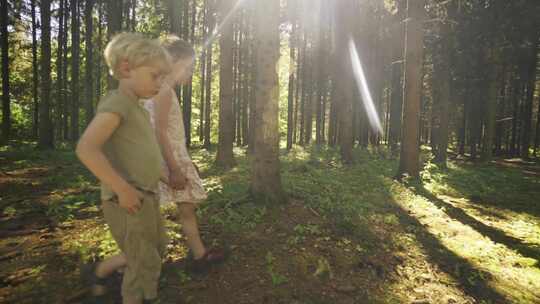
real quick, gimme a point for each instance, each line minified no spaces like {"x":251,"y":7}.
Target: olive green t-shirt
{"x":132,"y":149}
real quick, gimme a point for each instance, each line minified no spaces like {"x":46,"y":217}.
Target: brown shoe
{"x":211,"y":257}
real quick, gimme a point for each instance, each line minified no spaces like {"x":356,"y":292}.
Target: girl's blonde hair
{"x":137,"y":50}
{"x":178,"y":48}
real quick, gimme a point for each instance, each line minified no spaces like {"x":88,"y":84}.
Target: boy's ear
{"x":123,"y":69}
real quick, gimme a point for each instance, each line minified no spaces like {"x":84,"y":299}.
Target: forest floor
{"x":466,"y":234}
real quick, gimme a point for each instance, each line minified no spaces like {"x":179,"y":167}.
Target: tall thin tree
{"x":59,"y":92}
{"x":89,"y":88}
{"x":208,"y":94}
{"x":530,"y":87}
{"x":35,"y":71}
{"x":46,"y":139}
{"x":75,"y":59}
{"x":225,"y":156}
{"x":396,"y":101}
{"x":4,"y":43}
{"x":414,"y":49}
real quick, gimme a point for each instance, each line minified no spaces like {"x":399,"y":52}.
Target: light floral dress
{"x":194,"y":191}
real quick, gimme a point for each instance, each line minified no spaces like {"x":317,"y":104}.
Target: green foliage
{"x":276,"y":278}
{"x":93,"y":244}
{"x":346,"y":194}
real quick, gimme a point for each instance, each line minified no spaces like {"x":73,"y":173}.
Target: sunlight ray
{"x":362,"y":85}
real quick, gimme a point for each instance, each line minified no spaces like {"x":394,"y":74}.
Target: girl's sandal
{"x":211,"y":257}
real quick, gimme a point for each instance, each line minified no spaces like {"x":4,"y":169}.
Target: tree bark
{"x":46,"y":140}
{"x":265,"y":174}
{"x":443,"y":77}
{"x":208,"y":103}
{"x":414,"y":42}
{"x":225,"y":156}
{"x":204,"y":34}
{"x":75,"y":51}
{"x":292,"y":54}
{"x":114,"y":25}
{"x":491,"y":105}
{"x":531,"y":85}
{"x":89,"y":20}
{"x":65,"y":92}
{"x":35,"y":69}
{"x":344,"y":80}
{"x":6,"y":102}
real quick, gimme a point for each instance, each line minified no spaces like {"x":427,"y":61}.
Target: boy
{"x":119,"y":147}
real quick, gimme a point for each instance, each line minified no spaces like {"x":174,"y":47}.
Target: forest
{"x":353,"y":151}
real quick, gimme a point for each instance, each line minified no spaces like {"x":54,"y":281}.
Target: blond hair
{"x":137,"y":50}
{"x":178,"y":48}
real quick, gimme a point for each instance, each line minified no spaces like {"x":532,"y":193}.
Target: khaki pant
{"x":142,"y":238}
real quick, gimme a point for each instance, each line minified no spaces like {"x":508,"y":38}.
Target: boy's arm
{"x":89,"y":151}
{"x":163,"y":106}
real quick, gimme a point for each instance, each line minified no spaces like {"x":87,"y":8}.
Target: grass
{"x":464,"y":232}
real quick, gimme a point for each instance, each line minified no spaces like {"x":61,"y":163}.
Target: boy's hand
{"x":130,"y":199}
{"x":177,"y":179}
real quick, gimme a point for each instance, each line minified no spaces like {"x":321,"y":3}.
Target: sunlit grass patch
{"x":93,"y":242}
{"x":452,"y":219}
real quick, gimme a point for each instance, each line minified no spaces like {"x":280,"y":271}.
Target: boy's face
{"x":146,"y":80}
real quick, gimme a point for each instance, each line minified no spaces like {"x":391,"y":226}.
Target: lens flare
{"x":208,"y":42}
{"x":224,"y":21}
{"x":363,"y":88}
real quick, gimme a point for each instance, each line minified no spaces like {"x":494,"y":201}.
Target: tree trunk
{"x":531,"y":84}
{"x":463,"y":128}
{"x":304,"y":82}
{"x":208,"y":103}
{"x":187,"y":88}
{"x":225,"y":156}
{"x":174,"y":9}
{"x":396,"y":103}
{"x":290,"y":92}
{"x":65,"y":95}
{"x":344,"y":80}
{"x":245,"y":80}
{"x":253,"y":92}
{"x":75,"y":51}
{"x":475,"y":120}
{"x":332,"y":124}
{"x":114,"y":25}
{"x":298,"y":90}
{"x":491,"y":105}
{"x":414,"y":42}
{"x":443,"y":75}
{"x":310,"y":89}
{"x":265,"y":176}
{"x":60,"y":76}
{"x":133,"y":15}
{"x":46,"y":140}
{"x":238,"y":82}
{"x":515,"y":117}
{"x":537,"y":137}
{"x":6,"y":103}
{"x":501,"y":113}
{"x":99,"y":49}
{"x":35,"y":70}
{"x":319,"y":74}
{"x":204,"y":34}
{"x":89,"y":61}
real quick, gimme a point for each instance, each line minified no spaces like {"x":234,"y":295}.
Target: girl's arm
{"x":163,"y":103}
{"x":89,"y":151}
